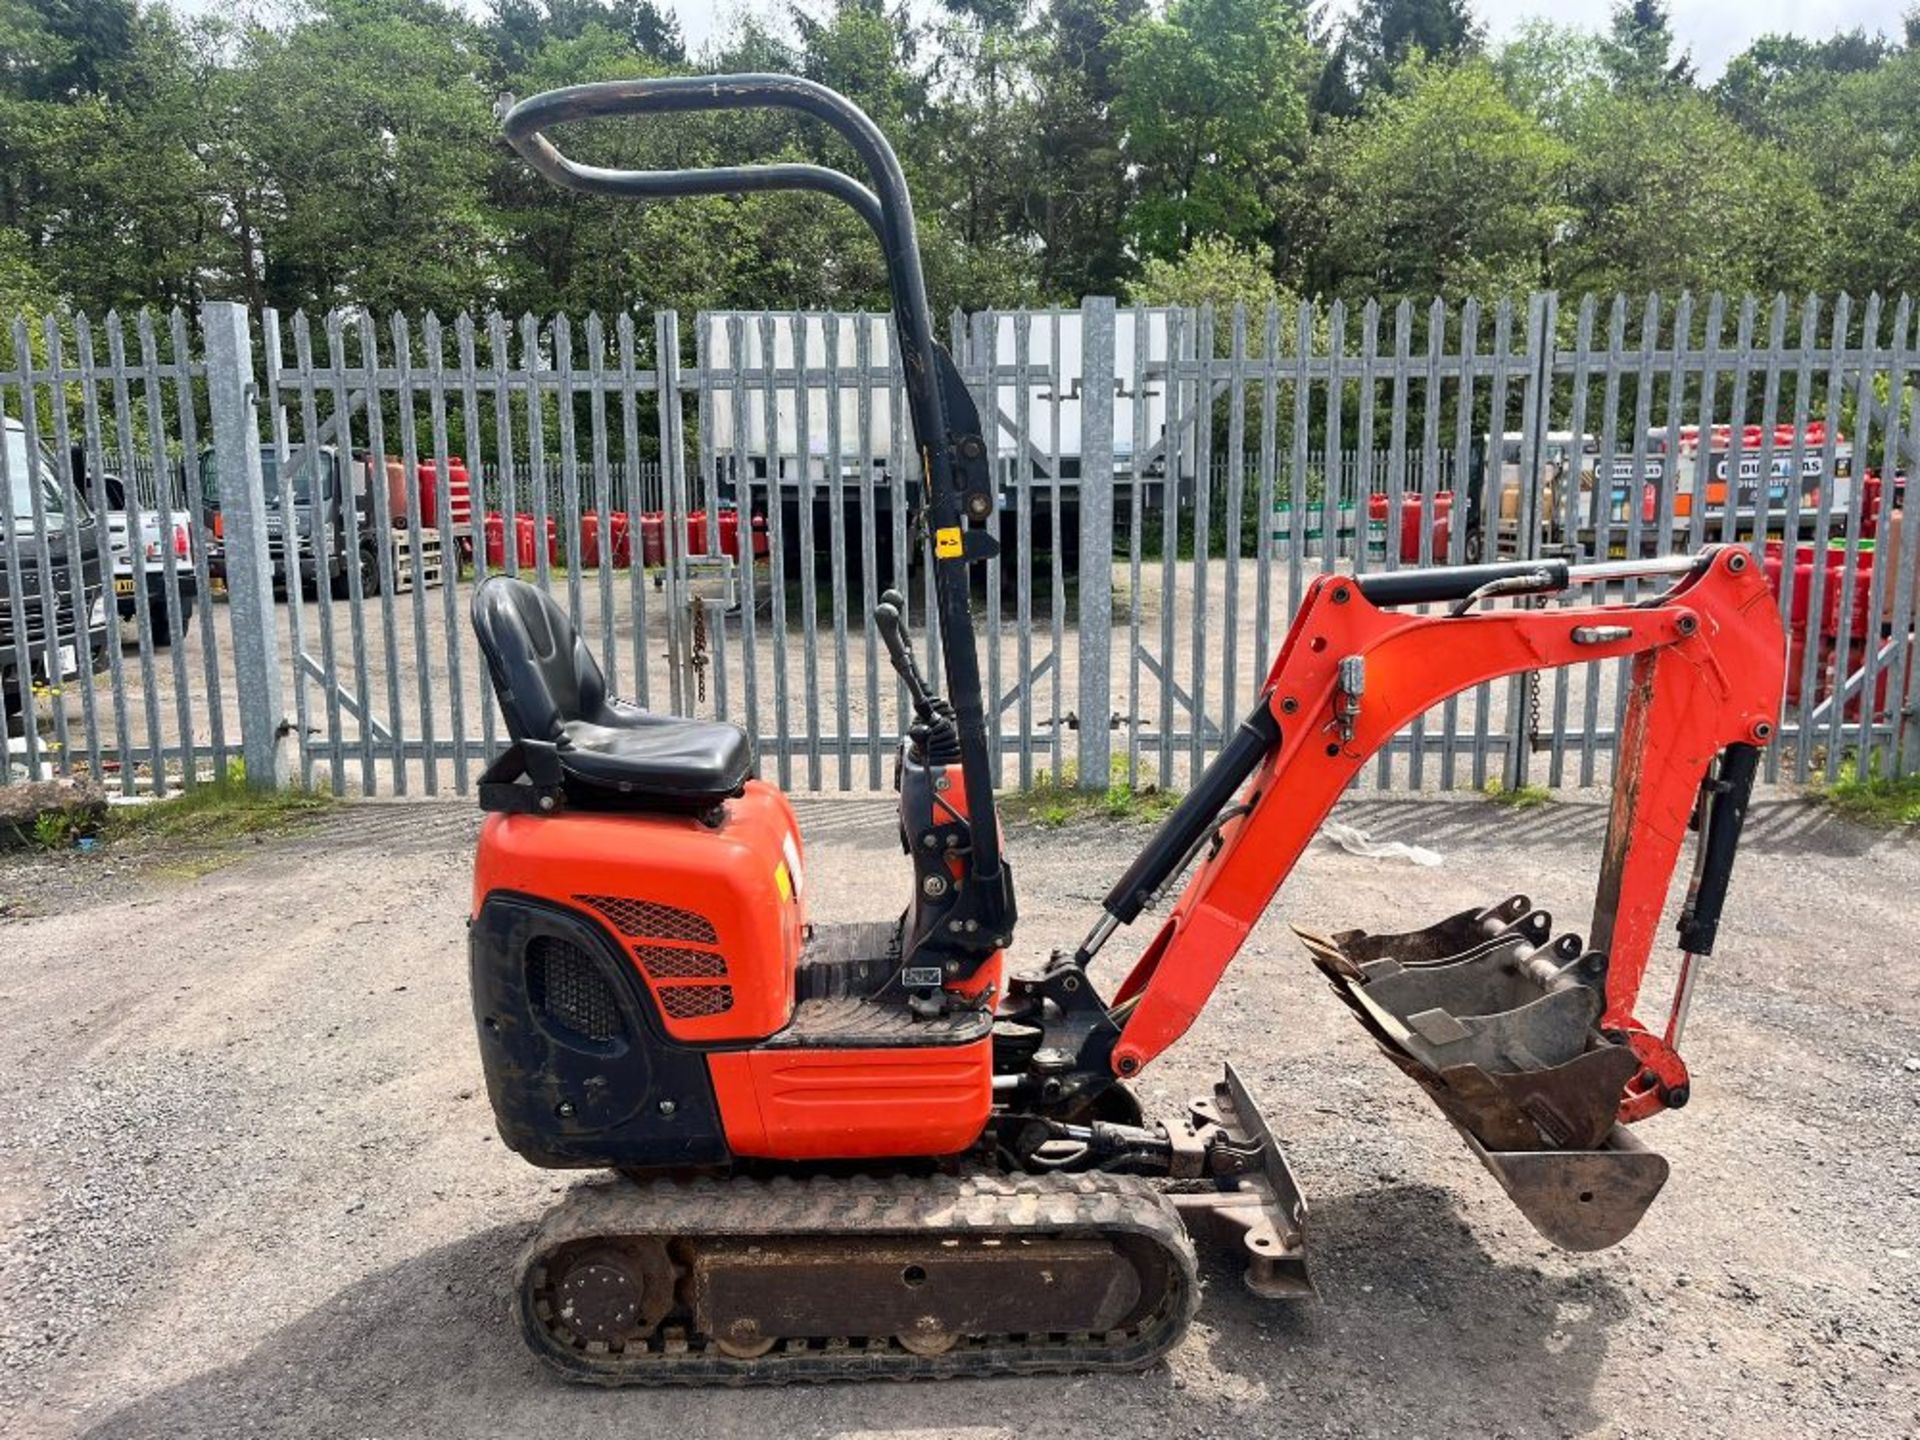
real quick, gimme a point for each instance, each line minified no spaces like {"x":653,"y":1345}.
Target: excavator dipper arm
{"x":1707,"y":659}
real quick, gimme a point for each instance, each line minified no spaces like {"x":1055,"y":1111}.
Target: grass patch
{"x":1524,"y":797}
{"x":1055,"y":801}
{"x":1873,"y":800}
{"x":213,"y":811}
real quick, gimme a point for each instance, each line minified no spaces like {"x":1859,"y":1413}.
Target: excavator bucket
{"x":1498,"y":1023}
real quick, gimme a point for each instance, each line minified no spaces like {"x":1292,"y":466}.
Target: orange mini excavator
{"x":894,"y":1149}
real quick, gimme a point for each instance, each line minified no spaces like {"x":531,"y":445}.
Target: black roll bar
{"x":955,"y":492}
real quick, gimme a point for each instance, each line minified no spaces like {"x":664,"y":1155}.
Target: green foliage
{"x":345,"y":152}
{"x":1523,"y":797}
{"x":1056,"y":801}
{"x":1213,"y":101}
{"x":1213,"y":271}
{"x":1875,"y":800}
{"x":1442,"y":187}
{"x":217,"y":810}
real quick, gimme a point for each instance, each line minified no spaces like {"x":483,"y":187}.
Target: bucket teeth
{"x":1500,"y":1027}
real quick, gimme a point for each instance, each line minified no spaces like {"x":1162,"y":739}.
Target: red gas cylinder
{"x":1773,"y":564}
{"x":619,"y":540}
{"x":459,"y":493}
{"x":696,"y":532}
{"x":1856,"y":619}
{"x":525,"y":549}
{"x":653,"y":537}
{"x":730,"y":532}
{"x":496,"y":541}
{"x":589,"y":541}
{"x":1410,"y":520}
{"x":762,"y":546}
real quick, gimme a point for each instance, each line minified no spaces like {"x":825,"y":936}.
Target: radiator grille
{"x":567,"y":987}
{"x":690,"y":1002}
{"x":665,"y":964}
{"x":652,"y":920}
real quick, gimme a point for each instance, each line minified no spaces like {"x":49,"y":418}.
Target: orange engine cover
{"x":711,"y":916}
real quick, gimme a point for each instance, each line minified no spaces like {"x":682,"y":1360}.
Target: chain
{"x":1533,"y":694}
{"x":698,"y":658}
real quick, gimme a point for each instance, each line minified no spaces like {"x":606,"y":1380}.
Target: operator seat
{"x":611,"y":755}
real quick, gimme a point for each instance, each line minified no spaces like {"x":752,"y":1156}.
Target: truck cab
{"x":360,"y":511}
{"x":43,"y":583}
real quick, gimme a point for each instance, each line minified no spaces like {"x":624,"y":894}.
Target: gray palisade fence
{"x":720,"y":503}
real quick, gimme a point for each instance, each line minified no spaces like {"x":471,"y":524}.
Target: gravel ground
{"x":249,"y":1183}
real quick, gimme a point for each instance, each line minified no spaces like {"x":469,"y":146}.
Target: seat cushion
{"x":657,"y":756}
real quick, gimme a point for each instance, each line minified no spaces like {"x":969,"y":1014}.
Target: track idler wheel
{"x":608,"y":1295}
{"x":1499,"y":1025}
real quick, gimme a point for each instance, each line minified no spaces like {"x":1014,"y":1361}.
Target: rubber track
{"x":923,"y":1206}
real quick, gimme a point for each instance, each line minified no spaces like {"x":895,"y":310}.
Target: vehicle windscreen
{"x":20,"y":479}
{"x":270,"y":473}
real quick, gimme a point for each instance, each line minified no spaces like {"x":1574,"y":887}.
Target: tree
{"x":1214,"y":271}
{"x":1076,"y":190}
{"x":1213,"y":101}
{"x":1667,"y":193}
{"x":1441,"y":187}
{"x":1638,"y":49}
{"x":1384,"y":34}
{"x":368,"y":142}
{"x":1552,"y":72}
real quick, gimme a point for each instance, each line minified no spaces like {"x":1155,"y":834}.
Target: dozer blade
{"x":1501,"y":1033}
{"x":1261,"y":1210}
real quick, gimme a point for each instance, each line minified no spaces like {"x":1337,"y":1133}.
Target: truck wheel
{"x":166,"y":629}
{"x":1475,"y":548}
{"x":369,"y":571}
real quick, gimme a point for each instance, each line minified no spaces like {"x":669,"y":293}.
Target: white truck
{"x":160,"y":532}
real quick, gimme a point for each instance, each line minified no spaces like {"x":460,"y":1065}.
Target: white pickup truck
{"x":158,"y":534}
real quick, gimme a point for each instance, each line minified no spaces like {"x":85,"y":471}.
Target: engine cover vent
{"x":691,"y":1002}
{"x":663,"y":963}
{"x":651,"y":920}
{"x":567,"y":989}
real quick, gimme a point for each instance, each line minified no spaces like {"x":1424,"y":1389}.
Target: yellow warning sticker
{"x":947,"y":544}
{"x":782,"y":881}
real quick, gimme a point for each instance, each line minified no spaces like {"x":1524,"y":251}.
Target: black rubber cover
{"x":638,"y":1100}
{"x":1452,"y":582}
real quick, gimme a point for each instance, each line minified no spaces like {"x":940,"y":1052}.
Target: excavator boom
{"x":1532,"y":1047}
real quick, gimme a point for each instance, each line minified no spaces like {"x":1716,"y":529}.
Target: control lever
{"x":893,"y":633}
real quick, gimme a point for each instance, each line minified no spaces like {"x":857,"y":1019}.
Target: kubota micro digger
{"x":894,"y":1148}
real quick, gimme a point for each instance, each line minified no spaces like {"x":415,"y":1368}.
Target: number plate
{"x":123,"y":587}
{"x":69,"y":660}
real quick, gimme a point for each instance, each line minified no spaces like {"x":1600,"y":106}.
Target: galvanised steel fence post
{"x":1096,"y":541}
{"x":232,"y":397}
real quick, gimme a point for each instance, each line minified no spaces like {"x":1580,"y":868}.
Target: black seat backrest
{"x":542,"y":671}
